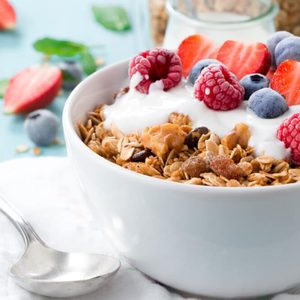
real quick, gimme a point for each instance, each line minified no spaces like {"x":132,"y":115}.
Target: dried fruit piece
{"x":225,"y":166}
{"x":141,"y":155}
{"x":194,"y":166}
{"x":193,"y":137}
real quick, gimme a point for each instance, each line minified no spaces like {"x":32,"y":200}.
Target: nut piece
{"x":239,"y":135}
{"x":225,"y":166}
{"x":194,"y":166}
{"x":161,"y":139}
{"x":193,"y":137}
{"x":141,"y":155}
{"x":179,"y":119}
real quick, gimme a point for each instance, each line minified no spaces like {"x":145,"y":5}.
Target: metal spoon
{"x":54,"y":273}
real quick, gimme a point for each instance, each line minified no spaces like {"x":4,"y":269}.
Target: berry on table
{"x":289,"y":133}
{"x":192,"y":49}
{"x":198,"y":67}
{"x":253,"y":83}
{"x":71,"y":74}
{"x":41,"y":127}
{"x":243,"y":59}
{"x":8,"y":16}
{"x":286,"y":81}
{"x":156,"y":65}
{"x":218,"y":88}
{"x":273,"y":41}
{"x":288,"y":48}
{"x":32,"y":88}
{"x":267,"y":103}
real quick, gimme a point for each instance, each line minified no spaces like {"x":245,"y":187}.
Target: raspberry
{"x":289,"y":133}
{"x":218,"y":88}
{"x":157,"y":64}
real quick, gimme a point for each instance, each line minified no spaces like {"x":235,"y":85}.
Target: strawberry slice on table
{"x":32,"y":88}
{"x":7,"y":16}
{"x":243,"y":59}
{"x":286,"y":81}
{"x":192,"y":49}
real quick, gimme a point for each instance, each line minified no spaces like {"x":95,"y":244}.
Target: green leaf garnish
{"x":49,"y":46}
{"x":112,"y":17}
{"x":88,"y":62}
{"x":3,"y":86}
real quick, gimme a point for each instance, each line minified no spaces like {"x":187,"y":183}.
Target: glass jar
{"x":220,"y":20}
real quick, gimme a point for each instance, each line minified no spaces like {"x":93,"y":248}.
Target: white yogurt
{"x":135,"y":111}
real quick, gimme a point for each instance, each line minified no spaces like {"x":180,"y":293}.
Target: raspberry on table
{"x":218,"y":88}
{"x":154,"y":65}
{"x":289,"y":133}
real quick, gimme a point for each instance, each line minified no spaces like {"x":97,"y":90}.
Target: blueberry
{"x":267,"y":103}
{"x":288,"y":48}
{"x":273,"y":40}
{"x":41,"y":127}
{"x":72,"y":74}
{"x":198,"y":67}
{"x":253,"y":83}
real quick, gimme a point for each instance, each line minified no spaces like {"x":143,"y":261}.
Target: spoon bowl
{"x":49,"y":272}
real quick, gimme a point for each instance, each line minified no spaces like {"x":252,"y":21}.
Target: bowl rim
{"x":70,"y":133}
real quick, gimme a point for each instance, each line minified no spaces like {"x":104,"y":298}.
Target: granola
{"x":176,"y":152}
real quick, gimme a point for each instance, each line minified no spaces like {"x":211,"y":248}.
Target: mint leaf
{"x":112,"y":17}
{"x":3,"y":86}
{"x":49,"y":46}
{"x":88,"y":62}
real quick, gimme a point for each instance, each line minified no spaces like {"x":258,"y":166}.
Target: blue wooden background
{"x":63,"y":19}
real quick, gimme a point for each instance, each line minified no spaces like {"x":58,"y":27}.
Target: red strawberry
{"x":192,"y":49}
{"x":32,"y":88}
{"x":270,"y":74}
{"x":7,"y":16}
{"x":286,"y":81}
{"x":243,"y":59}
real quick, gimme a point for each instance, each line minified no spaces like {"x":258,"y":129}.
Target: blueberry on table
{"x":253,"y":83}
{"x":273,"y":41}
{"x":198,"y":67}
{"x":267,"y":103}
{"x":41,"y":127}
{"x":72,"y":74}
{"x":288,"y":48}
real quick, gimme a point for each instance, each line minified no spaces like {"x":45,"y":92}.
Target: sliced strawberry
{"x":270,"y":74}
{"x":7,"y":16}
{"x":192,"y":49}
{"x":32,"y":88}
{"x":243,"y":59}
{"x":286,"y":81}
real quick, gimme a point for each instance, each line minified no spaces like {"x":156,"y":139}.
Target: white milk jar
{"x":220,"y":20}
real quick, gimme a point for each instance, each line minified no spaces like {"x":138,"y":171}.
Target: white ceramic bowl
{"x":222,"y":242}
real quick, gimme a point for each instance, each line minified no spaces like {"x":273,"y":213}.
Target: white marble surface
{"x":47,"y":193}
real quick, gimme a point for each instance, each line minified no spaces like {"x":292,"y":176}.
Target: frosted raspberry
{"x":218,"y":88}
{"x":289,"y":133}
{"x":157,"y":64}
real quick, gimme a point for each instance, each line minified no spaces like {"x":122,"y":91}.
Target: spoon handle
{"x":27,"y":232}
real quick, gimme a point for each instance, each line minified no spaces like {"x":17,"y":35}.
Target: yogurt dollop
{"x":135,"y":111}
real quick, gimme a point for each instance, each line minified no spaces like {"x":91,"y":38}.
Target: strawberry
{"x":192,"y":49}
{"x":286,"y":81}
{"x":7,"y":16}
{"x":243,"y":59}
{"x":32,"y":88}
